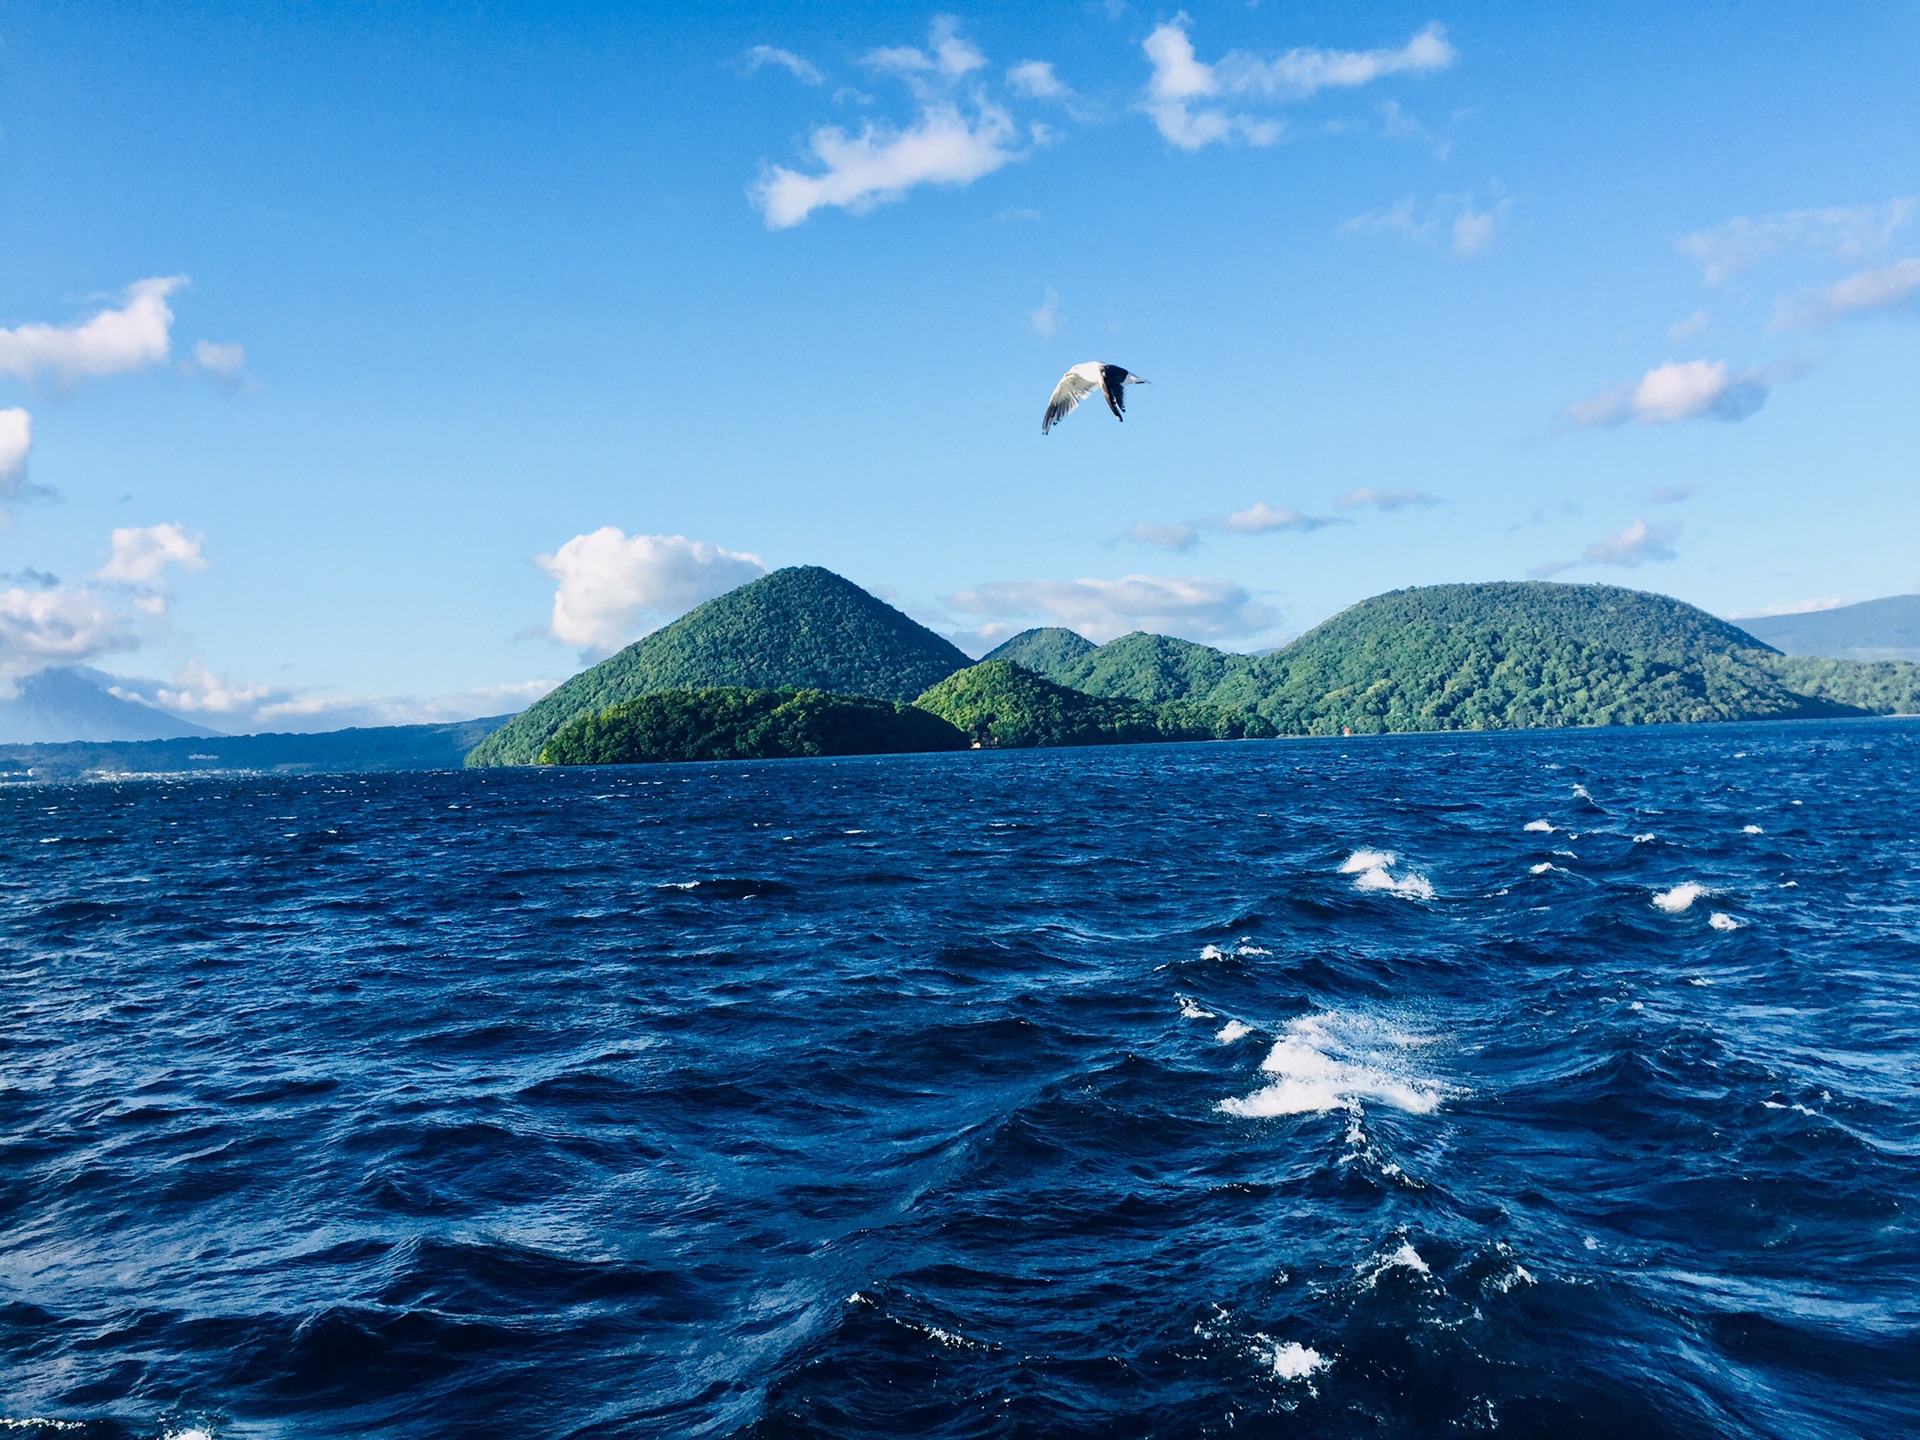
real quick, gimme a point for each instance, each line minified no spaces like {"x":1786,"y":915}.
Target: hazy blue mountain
{"x":72,"y":702}
{"x":1885,"y":629}
{"x":374,"y":748}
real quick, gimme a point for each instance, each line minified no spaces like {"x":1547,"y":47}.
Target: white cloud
{"x":944,"y":147}
{"x":1259,"y":518}
{"x":1847,"y":232}
{"x":1193,"y":606}
{"x":803,"y":70}
{"x":141,"y":553}
{"x":1472,"y":232}
{"x":612,"y":584}
{"x":57,"y":625}
{"x":1180,"y":80}
{"x":1035,"y":80}
{"x":16,"y":440}
{"x":1634,"y":546}
{"x":134,"y":337}
{"x":1886,"y":287}
{"x":1678,"y":390}
{"x":1168,"y":537}
{"x":1387,"y":499}
{"x":1797,"y":607}
{"x":1046,"y":318}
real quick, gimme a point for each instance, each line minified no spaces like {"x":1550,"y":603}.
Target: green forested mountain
{"x":1494,"y":656}
{"x":1003,"y":705}
{"x":736,"y":724}
{"x":1045,"y":651}
{"x":802,"y":627}
{"x":1884,"y":687}
{"x":1513,"y":655}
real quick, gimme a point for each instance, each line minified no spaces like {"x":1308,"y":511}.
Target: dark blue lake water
{"x":1546,"y":1084}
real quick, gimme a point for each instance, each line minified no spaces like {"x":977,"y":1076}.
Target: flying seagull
{"x":1080,"y":382}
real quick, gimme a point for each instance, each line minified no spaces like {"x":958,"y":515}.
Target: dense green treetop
{"x":1046,"y":651}
{"x":1004,"y":705}
{"x":729,"y":723}
{"x":803,"y":627}
{"x":1153,"y":669}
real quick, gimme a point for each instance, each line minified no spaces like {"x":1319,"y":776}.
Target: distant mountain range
{"x":1886,"y":629}
{"x":72,"y":702}
{"x":375,"y":748}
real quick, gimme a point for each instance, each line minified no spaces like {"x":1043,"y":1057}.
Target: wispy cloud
{"x":1398,"y":124}
{"x":1886,"y":287}
{"x":948,"y":143}
{"x":1195,"y":607}
{"x":240,"y":707}
{"x":132,"y":337}
{"x":1259,"y":518}
{"x":1676,"y":391}
{"x":1848,"y":232}
{"x":225,"y":360}
{"x":1639,"y":544}
{"x":802,"y":69}
{"x":612,"y":585}
{"x":1454,"y":221}
{"x":1035,"y":80}
{"x":1385,"y":499}
{"x":1045,"y":317}
{"x":1184,"y":93}
{"x":1177,"y":538}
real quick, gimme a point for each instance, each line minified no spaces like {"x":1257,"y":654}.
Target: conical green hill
{"x":803,"y":627}
{"x":1050,"y":650}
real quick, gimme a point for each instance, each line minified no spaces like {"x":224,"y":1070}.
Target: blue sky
{"x":391,"y":362}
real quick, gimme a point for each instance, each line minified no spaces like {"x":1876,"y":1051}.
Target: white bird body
{"x":1081,"y":381}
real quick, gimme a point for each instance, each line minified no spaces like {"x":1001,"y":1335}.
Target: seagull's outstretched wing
{"x":1072,"y":389}
{"x":1113,"y":380}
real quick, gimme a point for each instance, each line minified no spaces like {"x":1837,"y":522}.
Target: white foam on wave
{"x":1543,"y":827}
{"x":1751,"y":830}
{"x":1289,"y":1358}
{"x":1542,"y":868}
{"x":1580,"y":792}
{"x":1720,"y":920}
{"x":1191,"y":1009}
{"x":1373,"y":870}
{"x":1679,"y":898}
{"x":1363,"y":860}
{"x":1403,"y":1258}
{"x":1333,"y":1061}
{"x":1238,"y":952}
{"x":1232,"y":1031}
{"x":1644,"y":838}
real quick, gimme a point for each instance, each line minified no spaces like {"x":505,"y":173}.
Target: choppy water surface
{"x":1548,"y":1084}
